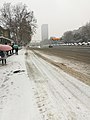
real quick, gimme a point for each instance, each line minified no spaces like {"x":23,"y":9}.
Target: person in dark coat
{"x":12,"y":45}
{"x":16,"y":49}
{"x":3,"y":57}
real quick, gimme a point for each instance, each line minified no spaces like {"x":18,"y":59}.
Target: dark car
{"x":50,"y":46}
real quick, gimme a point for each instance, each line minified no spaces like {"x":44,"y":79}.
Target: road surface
{"x":74,"y":60}
{"x":58,"y":95}
{"x":79,"y":53}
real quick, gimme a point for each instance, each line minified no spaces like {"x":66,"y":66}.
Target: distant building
{"x":5,"y":36}
{"x":44,"y":32}
{"x":4,"y":32}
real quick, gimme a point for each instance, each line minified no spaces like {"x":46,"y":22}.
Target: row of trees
{"x":80,"y":35}
{"x":19,"y":20}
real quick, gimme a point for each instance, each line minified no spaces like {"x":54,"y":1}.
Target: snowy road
{"x":33,"y":89}
{"x":58,"y":95}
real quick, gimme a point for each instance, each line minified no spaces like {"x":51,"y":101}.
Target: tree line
{"x":19,"y":20}
{"x":80,"y":35}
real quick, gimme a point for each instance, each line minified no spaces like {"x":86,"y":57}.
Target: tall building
{"x":44,"y":32}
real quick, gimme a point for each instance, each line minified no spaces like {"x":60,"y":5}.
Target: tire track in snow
{"x":45,"y":107}
{"x":39,"y":61}
{"x":75,"y":84}
{"x":77,"y":74}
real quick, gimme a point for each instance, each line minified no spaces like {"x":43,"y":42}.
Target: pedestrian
{"x":12,"y":45}
{"x":3,"y":57}
{"x":16,"y":49}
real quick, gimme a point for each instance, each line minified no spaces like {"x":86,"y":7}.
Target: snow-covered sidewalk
{"x":16,"y":98}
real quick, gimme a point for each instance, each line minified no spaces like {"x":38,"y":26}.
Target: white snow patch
{"x":78,"y":66}
{"x":16,"y":95}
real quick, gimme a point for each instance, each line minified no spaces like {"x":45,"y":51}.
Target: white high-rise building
{"x":44,"y":32}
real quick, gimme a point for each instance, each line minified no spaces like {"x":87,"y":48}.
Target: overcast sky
{"x":60,"y":15}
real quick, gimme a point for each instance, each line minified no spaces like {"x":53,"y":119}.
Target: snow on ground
{"x":78,"y":66}
{"x":59,"y":96}
{"x":38,"y":90}
{"x":16,"y":98}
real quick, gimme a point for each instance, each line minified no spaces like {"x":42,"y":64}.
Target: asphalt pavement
{"x":79,"y":53}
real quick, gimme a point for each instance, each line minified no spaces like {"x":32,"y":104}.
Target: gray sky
{"x":60,"y":15}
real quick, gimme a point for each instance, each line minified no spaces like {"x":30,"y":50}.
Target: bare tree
{"x":6,"y":15}
{"x":20,"y":21}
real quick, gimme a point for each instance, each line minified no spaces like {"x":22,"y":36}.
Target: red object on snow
{"x":5,"y":47}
